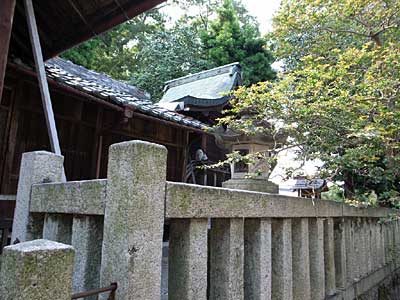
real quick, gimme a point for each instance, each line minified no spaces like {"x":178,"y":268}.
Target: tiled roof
{"x":104,"y":87}
{"x":207,"y":88}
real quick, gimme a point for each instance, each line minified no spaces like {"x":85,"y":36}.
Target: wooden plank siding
{"x":80,"y":124}
{"x":6,"y":20}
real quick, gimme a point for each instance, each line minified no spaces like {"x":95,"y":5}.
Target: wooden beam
{"x":11,"y":140}
{"x":6,"y":19}
{"x":96,"y":25}
{"x":98,"y":143}
{"x":41,"y":73}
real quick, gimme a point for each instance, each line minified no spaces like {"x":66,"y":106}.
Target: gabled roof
{"x":203,"y":89}
{"x":105,"y":88}
{"x":309,"y":184}
{"x":65,"y":23}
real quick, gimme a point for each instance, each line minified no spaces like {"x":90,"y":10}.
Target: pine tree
{"x":232,"y":38}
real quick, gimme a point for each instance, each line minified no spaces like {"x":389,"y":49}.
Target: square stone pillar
{"x":58,"y":228}
{"x":340,"y":252}
{"x":187,"y":260}
{"x":134,"y":219}
{"x":36,"y":167}
{"x":317,"y":264}
{"x":226,"y":259}
{"x":301,"y":260}
{"x":258,"y":259}
{"x":282,"y":276}
{"x":37,"y":270}
{"x":329,"y":257}
{"x":87,"y":238}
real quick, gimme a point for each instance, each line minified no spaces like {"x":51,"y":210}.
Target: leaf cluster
{"x":338,"y":99}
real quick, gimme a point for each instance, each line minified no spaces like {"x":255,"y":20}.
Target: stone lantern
{"x":250,"y":176}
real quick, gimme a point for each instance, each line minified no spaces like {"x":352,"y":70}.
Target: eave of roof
{"x":207,"y":88}
{"x":63,"y":24}
{"x":113,"y":92}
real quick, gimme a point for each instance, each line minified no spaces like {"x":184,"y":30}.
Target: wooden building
{"x":91,"y":110}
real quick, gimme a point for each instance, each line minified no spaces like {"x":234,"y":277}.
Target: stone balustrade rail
{"x":223,"y":244}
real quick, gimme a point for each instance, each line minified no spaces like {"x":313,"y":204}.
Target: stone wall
{"x":223,"y":244}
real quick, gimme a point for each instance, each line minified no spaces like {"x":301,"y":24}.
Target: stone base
{"x":256,"y":185}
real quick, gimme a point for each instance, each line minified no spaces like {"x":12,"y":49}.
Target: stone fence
{"x":223,"y":244}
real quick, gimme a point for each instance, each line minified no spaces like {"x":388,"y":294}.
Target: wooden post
{"x":44,"y":88}
{"x":6,"y":19}
{"x":185,"y":153}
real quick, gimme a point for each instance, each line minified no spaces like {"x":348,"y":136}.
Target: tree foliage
{"x":339,"y":98}
{"x":114,"y":52}
{"x":165,"y":55}
{"x":319,"y":26}
{"x":147,"y":52}
{"x":234,"y":37}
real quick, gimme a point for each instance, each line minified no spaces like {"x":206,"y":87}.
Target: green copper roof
{"x":205,"y":89}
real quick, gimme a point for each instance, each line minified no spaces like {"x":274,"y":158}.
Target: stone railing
{"x":223,"y":244}
{"x":263,"y":246}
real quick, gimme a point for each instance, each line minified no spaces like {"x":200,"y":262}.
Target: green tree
{"x":114,"y":52}
{"x":339,"y":98}
{"x":234,"y":36}
{"x":319,"y":26}
{"x":146,"y":52}
{"x":165,"y":55}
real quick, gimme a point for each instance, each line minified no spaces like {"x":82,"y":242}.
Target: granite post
{"x":36,"y":167}
{"x":301,"y":260}
{"x":257,"y":259}
{"x":357,"y":247}
{"x":58,"y":228}
{"x":373,"y":246}
{"x":282,"y":277}
{"x":350,"y":251}
{"x":317,"y":265}
{"x":187,"y":260}
{"x":37,"y":270}
{"x":329,"y":257}
{"x":226,"y":259}
{"x":340,"y":253}
{"x":87,"y":238}
{"x":382,"y":244}
{"x":134,"y":219}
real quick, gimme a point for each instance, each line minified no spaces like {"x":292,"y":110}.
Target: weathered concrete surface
{"x":258,"y":259}
{"x":58,"y":228}
{"x":301,"y":260}
{"x":194,"y":201}
{"x":340,"y":253}
{"x":187,"y":264}
{"x":226,"y":259}
{"x":86,"y":197}
{"x":282,"y":276}
{"x":87,"y":238}
{"x":382,"y":284}
{"x":36,"y":167}
{"x":317,"y":265}
{"x":329,"y":257}
{"x":389,"y":289}
{"x":134,"y":218}
{"x":37,"y":270}
{"x":256,"y":185}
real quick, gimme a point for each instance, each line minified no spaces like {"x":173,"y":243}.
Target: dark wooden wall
{"x":86,"y":130}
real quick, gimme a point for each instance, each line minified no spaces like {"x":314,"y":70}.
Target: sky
{"x":263,"y":10}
